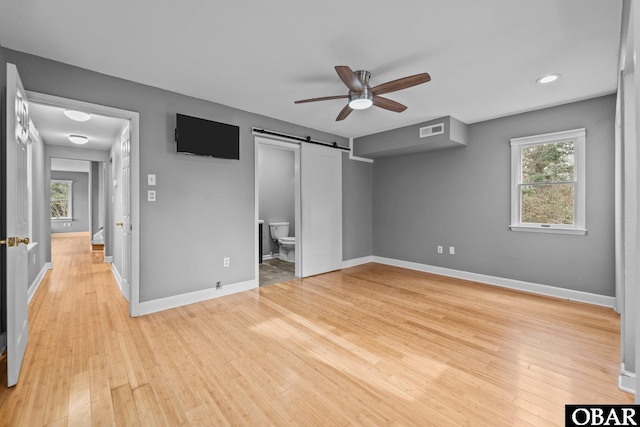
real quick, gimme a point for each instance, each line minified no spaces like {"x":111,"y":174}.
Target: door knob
{"x":11,"y":241}
{"x":119,"y":224}
{"x":19,"y":240}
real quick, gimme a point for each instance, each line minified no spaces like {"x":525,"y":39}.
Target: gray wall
{"x":357,"y":201}
{"x":461,"y":197}
{"x":41,"y":214}
{"x":205,"y":207}
{"x":79,"y":200}
{"x":276,"y":181}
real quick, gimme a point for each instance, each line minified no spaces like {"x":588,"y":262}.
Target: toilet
{"x":280,"y":233}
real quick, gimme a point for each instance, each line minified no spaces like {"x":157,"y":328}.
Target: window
{"x":61,"y":199}
{"x":548,"y":183}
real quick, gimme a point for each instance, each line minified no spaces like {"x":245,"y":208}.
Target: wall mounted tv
{"x":207,"y":138}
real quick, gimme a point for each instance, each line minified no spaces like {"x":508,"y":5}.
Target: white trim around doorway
{"x":281,"y":144}
{"x":134,"y":119}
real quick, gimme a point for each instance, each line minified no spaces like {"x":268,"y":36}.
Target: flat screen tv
{"x":207,"y":138}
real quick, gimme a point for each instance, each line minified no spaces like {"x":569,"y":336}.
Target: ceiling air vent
{"x":432,"y":130}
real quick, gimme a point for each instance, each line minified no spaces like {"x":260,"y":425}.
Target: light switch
{"x":151,"y":195}
{"x":151,"y":179}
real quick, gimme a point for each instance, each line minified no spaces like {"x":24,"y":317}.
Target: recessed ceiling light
{"x":78,"y":139}
{"x":78,"y":116}
{"x":548,"y":78}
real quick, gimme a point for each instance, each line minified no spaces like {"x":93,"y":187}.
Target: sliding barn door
{"x":321,"y":188}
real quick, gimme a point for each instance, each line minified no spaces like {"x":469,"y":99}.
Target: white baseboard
{"x":108,"y":259}
{"x":520,"y":285}
{"x":124,"y":288}
{"x":627,"y":380}
{"x":38,"y":280}
{"x":357,"y":261}
{"x":160,"y":304}
{"x":268,"y":256}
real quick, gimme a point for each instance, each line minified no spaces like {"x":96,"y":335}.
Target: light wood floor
{"x":370,"y":345}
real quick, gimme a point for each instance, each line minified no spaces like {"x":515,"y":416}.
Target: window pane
{"x":59,"y":209}
{"x":60,"y":199}
{"x":548,"y":162}
{"x":59,"y":191}
{"x":547,"y":204}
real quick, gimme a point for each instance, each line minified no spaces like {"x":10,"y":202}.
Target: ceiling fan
{"x":362,"y":96}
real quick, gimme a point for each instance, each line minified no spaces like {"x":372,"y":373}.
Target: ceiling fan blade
{"x":349,"y":78}
{"x":324,"y":98}
{"x":344,"y":113}
{"x":400,"y":84}
{"x":388,"y":104}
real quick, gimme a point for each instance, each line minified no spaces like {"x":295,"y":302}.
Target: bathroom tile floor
{"x":275,"y":271}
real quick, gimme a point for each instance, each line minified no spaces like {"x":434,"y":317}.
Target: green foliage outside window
{"x":548,"y":169}
{"x":60,"y":197}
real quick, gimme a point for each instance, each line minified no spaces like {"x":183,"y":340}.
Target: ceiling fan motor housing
{"x":363,"y":76}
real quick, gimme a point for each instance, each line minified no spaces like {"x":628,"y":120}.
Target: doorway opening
{"x":277,"y":172}
{"x":114,"y":163}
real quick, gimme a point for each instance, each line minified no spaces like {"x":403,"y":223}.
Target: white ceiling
{"x":483,"y":55}
{"x":54,"y":127}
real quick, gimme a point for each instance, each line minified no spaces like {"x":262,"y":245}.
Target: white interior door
{"x":126,"y":212}
{"x":16,"y":213}
{"x":321,"y":188}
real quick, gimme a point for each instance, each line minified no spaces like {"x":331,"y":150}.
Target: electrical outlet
{"x":439,"y":249}
{"x":151,"y":195}
{"x":226,"y":262}
{"x":452,"y":250}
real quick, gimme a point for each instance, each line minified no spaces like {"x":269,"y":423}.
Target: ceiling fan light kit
{"x":360,"y":101}
{"x":362,"y":95}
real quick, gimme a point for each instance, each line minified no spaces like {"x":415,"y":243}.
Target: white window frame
{"x":579,"y":136}
{"x":70,"y":210}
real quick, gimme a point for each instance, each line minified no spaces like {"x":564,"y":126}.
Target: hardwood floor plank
{"x":147,"y":407}
{"x":124,"y":406}
{"x":80,"y":399}
{"x":132,"y":362}
{"x":369,"y":345}
{"x":102,"y":412}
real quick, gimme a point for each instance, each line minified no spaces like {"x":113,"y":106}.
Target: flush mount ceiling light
{"x":78,"y":116}
{"x":548,"y":78}
{"x":78,"y":139}
{"x":360,"y":100}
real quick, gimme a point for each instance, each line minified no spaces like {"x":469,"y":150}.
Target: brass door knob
{"x":119,"y":224}
{"x":11,"y":241}
{"x":19,"y":240}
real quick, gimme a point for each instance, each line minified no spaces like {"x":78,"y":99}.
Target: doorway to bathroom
{"x":278,"y":206}
{"x":312,"y":240}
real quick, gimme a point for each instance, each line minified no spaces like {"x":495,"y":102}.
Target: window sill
{"x":61,"y":219}
{"x":540,"y":229}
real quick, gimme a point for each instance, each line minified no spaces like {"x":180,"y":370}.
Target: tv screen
{"x":207,"y":138}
